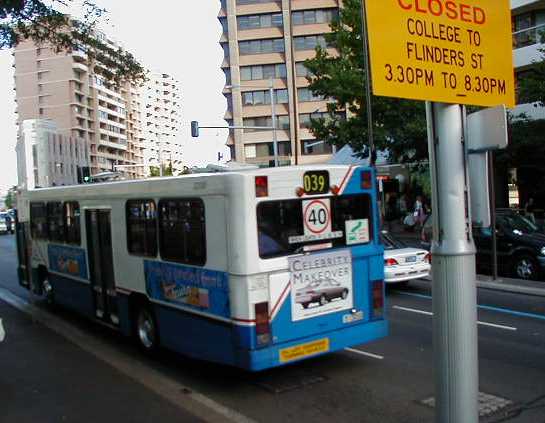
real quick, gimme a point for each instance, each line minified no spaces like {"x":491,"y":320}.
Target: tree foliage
{"x":44,"y":24}
{"x":398,"y":125}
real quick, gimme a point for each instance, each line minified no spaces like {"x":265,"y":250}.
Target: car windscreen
{"x":515,"y":222}
{"x":280,"y":222}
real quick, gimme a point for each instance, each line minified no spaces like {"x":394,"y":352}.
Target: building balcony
{"x":122,"y":145}
{"x":527,"y":45}
{"x":114,"y":134}
{"x":80,"y":67}
{"x":263,"y":59}
{"x":530,"y":110}
{"x":251,"y":9}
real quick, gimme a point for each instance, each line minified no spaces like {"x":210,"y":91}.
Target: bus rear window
{"x":278,"y":221}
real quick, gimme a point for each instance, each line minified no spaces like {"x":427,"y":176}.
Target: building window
{"x":282,"y":123}
{"x":275,"y":45}
{"x":72,"y":222}
{"x":266,"y":149}
{"x":306,"y":94}
{"x":305,"y":118}
{"x":315,"y":147}
{"x":302,"y":70}
{"x":255,"y":98}
{"x":310,"y":42}
{"x":182,"y":231}
{"x":260,"y":21}
{"x":38,"y":220}
{"x":527,"y":28}
{"x":55,"y":221}
{"x":141,"y":227}
{"x":314,"y":16}
{"x":248,"y":73}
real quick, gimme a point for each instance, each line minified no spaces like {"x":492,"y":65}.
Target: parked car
{"x":402,"y":263}
{"x":6,"y":223}
{"x":520,"y":246}
{"x":322,"y":292}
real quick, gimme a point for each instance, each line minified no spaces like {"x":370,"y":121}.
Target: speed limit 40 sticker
{"x":317,"y":216}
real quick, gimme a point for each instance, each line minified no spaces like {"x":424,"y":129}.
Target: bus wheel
{"x":323,"y":300}
{"x":146,"y":329}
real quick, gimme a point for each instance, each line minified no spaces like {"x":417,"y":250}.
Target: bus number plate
{"x":316,"y":182}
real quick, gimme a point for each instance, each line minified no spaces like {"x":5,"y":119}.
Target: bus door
{"x":101,"y":264}
{"x":22,"y":253}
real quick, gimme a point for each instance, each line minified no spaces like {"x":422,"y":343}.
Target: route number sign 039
{"x":450,"y":51}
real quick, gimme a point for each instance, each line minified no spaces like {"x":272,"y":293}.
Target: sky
{"x":166,"y":36}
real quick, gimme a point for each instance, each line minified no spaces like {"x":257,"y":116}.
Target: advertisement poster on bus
{"x":320,"y":284}
{"x":68,"y":260}
{"x":199,"y":289}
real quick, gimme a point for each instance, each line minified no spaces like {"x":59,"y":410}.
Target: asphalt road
{"x":379,"y":382}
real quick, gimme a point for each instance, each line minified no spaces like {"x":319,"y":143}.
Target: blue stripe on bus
{"x":74,"y":295}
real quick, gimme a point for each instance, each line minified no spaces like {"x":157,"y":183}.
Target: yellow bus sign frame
{"x":450,"y":51}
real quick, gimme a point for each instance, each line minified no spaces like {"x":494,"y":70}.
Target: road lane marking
{"x":428,"y":313}
{"x":155,"y":380}
{"x":413,"y":310}
{"x":483,"y":307}
{"x":365,"y":353}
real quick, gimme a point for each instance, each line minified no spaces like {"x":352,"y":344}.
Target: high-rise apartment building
{"x":113,"y":120}
{"x":46,"y":158}
{"x":266,"y":41}
{"x":161,"y":121}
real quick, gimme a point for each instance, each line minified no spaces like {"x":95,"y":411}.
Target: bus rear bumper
{"x":313,"y":346}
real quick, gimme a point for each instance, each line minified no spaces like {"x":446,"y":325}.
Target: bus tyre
{"x":323,"y":300}
{"x":146,"y":332}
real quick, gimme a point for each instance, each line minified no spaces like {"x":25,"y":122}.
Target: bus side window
{"x":38,"y":220}
{"x":182,"y":231}
{"x":72,"y":222}
{"x":55,"y":221}
{"x":141,"y":220}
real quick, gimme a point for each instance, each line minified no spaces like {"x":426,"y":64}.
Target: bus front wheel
{"x":146,"y":331}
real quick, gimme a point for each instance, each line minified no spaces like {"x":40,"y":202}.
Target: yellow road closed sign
{"x":450,"y":51}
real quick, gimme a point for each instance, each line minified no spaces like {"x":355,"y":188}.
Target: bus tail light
{"x":262,"y":326}
{"x":261,"y":186}
{"x":366,"y":179}
{"x":378,"y":299}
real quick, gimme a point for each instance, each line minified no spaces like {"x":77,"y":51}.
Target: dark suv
{"x":521,"y":246}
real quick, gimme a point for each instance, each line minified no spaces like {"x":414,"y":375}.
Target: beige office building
{"x":270,"y":40}
{"x":118,"y":124}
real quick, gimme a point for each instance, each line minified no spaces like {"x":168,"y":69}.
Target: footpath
{"x":519,"y":286}
{"x":46,"y":378}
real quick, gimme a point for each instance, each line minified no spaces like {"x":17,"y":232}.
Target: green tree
{"x":155,"y":172}
{"x":398,"y":125}
{"x":42,"y":22}
{"x":10,"y":199}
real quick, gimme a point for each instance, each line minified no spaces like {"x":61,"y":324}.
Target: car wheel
{"x":146,"y":331}
{"x":525,"y":267}
{"x":344,"y":294}
{"x":305,"y":305}
{"x":323,"y":300}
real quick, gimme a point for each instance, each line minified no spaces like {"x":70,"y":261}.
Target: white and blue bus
{"x":251,"y":268}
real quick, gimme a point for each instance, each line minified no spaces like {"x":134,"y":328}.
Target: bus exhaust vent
{"x":489,"y":406}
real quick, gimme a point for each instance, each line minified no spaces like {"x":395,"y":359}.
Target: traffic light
{"x":194,"y":129}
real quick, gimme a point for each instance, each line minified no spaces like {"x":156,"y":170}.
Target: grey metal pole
{"x":454,"y":279}
{"x":367,"y":72}
{"x":492,"y":197}
{"x":273,"y":113}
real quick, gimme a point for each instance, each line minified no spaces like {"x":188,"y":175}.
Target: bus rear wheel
{"x":146,"y":331}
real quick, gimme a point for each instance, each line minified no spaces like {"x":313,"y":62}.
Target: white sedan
{"x":402,"y":263}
